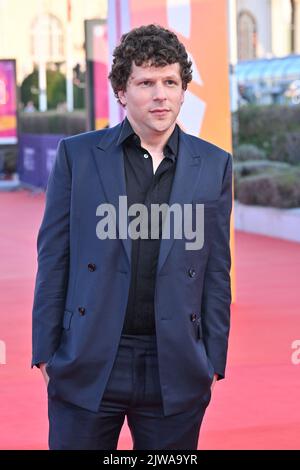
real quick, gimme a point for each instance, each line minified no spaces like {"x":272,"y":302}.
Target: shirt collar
{"x":170,"y":149}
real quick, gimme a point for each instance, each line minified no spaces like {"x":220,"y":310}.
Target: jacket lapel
{"x":109,"y":160}
{"x":184,"y":185}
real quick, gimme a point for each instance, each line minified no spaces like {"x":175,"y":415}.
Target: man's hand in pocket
{"x":214,"y":381}
{"x":44,"y":372}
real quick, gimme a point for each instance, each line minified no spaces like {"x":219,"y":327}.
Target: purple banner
{"x":36,"y":157}
{"x":8,"y":102}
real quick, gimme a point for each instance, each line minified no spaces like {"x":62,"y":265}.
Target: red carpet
{"x":256,"y":407}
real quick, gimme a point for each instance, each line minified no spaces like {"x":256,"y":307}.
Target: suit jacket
{"x":82,"y":282}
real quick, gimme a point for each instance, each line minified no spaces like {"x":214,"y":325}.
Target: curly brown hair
{"x":152,"y":45}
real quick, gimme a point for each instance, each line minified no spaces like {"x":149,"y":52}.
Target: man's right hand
{"x":44,"y":372}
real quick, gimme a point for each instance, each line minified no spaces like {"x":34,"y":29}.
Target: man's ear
{"x":182,"y":97}
{"x":122,"y":97}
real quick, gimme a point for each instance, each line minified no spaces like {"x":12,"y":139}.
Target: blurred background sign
{"x":8,"y":102}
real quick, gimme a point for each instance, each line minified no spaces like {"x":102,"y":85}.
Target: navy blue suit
{"x":83,"y":282}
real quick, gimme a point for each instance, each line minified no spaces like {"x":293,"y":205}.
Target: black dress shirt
{"x":145,"y":187}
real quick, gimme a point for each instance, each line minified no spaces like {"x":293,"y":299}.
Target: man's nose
{"x":159,"y":92}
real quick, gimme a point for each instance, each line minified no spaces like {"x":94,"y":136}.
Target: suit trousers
{"x":133,"y":390}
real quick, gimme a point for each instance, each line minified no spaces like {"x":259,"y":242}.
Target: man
{"x":125,"y":325}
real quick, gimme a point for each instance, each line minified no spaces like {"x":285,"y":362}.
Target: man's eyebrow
{"x":145,"y":78}
{"x":172,"y":77}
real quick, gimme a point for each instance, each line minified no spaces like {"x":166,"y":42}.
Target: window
{"x":47,"y":39}
{"x":246,"y":36}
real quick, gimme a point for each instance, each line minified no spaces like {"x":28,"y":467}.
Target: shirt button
{"x":146,"y":155}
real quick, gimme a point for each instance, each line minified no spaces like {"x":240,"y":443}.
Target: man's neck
{"x":152,"y":141}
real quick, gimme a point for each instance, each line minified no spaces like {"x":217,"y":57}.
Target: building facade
{"x":34,"y":27}
{"x":268,"y":28}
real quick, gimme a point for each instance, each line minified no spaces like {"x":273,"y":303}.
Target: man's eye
{"x":171,"y":82}
{"x":146,"y":83}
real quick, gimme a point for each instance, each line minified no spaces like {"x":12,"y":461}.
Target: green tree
{"x":56,"y":89}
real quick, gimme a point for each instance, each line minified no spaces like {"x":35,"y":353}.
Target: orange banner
{"x":201,"y":25}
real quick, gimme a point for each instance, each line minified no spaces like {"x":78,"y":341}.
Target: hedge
{"x":274,"y":129}
{"x":279,"y":188}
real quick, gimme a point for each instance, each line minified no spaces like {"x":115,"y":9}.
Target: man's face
{"x":153,"y":97}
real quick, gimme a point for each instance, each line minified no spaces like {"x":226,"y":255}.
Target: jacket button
{"x":192,"y":272}
{"x":81,"y":311}
{"x":193,"y":317}
{"x":91,"y":267}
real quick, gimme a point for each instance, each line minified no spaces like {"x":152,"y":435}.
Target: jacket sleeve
{"x":217,"y":289}
{"x":53,"y":261}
